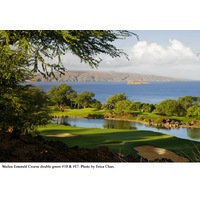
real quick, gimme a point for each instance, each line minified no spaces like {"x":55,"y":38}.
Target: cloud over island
{"x":173,"y":60}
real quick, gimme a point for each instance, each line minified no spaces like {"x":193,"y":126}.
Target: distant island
{"x":100,"y":76}
{"x":137,"y":82}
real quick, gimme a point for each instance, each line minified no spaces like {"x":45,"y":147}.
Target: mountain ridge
{"x":102,"y":76}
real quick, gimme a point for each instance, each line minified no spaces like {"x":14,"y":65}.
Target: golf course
{"x":120,"y":141}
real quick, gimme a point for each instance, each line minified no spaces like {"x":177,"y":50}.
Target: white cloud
{"x":174,"y":60}
{"x":153,"y":53}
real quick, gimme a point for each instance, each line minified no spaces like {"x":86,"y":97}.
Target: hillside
{"x":99,"y":76}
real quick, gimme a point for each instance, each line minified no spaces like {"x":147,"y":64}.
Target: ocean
{"x":154,"y":93}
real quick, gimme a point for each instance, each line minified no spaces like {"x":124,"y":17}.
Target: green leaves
{"x":13,"y":66}
{"x":61,"y":95}
{"x":170,"y":107}
{"x":84,"y":99}
{"x":23,"y":107}
{"x":43,"y":45}
{"x":25,"y":52}
{"x":123,"y":107}
{"x":112,"y":100}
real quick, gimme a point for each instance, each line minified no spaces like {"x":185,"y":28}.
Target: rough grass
{"x":122,"y":141}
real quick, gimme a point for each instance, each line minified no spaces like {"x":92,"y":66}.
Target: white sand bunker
{"x":60,"y":135}
{"x":151,"y":153}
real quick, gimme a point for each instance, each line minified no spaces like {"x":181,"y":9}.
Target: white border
{"x":125,"y":181}
{"x":104,"y":14}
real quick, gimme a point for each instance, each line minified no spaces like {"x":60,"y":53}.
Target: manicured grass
{"x":139,"y":115}
{"x":76,"y":112}
{"x":122,"y":141}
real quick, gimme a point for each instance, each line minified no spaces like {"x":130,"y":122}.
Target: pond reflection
{"x":61,"y":120}
{"x":185,"y":133}
{"x":193,"y":133}
{"x":116,"y":124}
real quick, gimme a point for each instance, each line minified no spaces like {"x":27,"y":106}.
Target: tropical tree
{"x":123,"y":107}
{"x":111,"y":101}
{"x":193,"y":111}
{"x":39,"y":47}
{"x":23,"y":108}
{"x":188,"y":101}
{"x":13,"y":67}
{"x":85,"y":99}
{"x":25,"y":52}
{"x":137,"y":106}
{"x":96,"y":104}
{"x":148,"y":107}
{"x":170,"y":107}
{"x":61,"y":95}
{"x":72,"y":97}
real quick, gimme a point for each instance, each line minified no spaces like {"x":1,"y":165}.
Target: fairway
{"x":121,"y":141}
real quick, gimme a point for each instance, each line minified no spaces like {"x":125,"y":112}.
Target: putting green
{"x":118,"y":140}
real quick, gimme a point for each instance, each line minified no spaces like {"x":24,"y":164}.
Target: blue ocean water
{"x":155,"y":92}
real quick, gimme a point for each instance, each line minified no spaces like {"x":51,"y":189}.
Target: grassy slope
{"x":140,"y":116}
{"x":122,"y":140}
{"x":76,"y":112}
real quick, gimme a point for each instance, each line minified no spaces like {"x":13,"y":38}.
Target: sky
{"x":172,"y":53}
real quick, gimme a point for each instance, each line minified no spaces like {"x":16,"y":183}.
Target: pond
{"x":185,"y":133}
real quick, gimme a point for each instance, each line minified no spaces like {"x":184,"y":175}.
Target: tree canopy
{"x":61,"y":95}
{"x":188,"y":101}
{"x":25,"y":52}
{"x":84,"y":99}
{"x":170,"y":107}
{"x":193,"y":111}
{"x":23,"y":108}
{"x":123,"y":107}
{"x":39,"y":47}
{"x":112,"y":100}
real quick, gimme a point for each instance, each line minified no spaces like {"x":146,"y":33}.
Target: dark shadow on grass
{"x":124,"y":142}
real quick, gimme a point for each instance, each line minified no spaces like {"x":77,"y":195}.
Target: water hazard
{"x":185,"y":133}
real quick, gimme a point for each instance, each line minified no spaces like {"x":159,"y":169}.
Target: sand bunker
{"x":151,"y":153}
{"x":60,"y":135}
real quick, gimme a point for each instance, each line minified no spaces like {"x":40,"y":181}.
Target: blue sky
{"x":188,"y":37}
{"x":165,"y":53}
{"x":170,"y":52}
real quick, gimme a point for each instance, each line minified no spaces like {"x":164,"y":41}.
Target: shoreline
{"x":147,"y":123}
{"x":135,"y":120}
